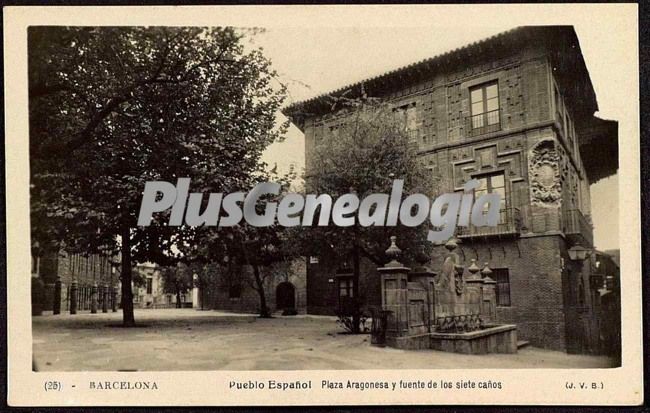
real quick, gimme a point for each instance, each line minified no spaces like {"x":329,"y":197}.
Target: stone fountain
{"x":448,"y":312}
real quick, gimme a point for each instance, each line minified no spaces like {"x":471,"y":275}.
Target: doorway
{"x":285,"y":296}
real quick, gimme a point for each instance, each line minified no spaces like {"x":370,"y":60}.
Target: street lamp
{"x":579,"y":253}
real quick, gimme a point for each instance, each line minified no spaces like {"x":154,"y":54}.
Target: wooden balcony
{"x":509,"y":225}
{"x":577,"y":228}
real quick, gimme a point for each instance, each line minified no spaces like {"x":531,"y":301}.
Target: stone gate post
{"x":425,"y":278}
{"x":394,"y":290}
{"x":489,"y":304}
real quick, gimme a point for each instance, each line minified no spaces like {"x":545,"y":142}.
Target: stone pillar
{"x":426,"y":278}
{"x":195,"y":291}
{"x":489,"y":304}
{"x":48,"y":295}
{"x":394,"y":290}
{"x":105,"y":298}
{"x":73,"y":296}
{"x":474,"y":290}
{"x":93,"y":299}
{"x":56,"y":302}
{"x":114,"y":299}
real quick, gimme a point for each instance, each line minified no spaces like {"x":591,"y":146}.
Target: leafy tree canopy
{"x":369,"y":150}
{"x":114,"y":107}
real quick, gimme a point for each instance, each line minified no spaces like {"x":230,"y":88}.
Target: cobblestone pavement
{"x":187,"y":339}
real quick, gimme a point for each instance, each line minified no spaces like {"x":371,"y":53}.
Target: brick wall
{"x":322,"y":287}
{"x":536,"y":284}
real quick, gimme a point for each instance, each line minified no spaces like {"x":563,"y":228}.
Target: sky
{"x":315,"y":60}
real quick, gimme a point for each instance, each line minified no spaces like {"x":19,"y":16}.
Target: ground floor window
{"x":345,"y":287}
{"x":502,"y":277}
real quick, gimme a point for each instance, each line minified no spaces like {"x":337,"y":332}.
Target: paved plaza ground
{"x":187,"y":339}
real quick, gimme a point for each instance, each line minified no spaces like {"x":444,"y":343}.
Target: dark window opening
{"x":234,"y":291}
{"x":34,"y":264}
{"x":345,"y":287}
{"x":149,"y":286}
{"x":502,"y":277}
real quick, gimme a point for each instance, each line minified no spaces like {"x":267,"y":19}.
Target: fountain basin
{"x":489,"y":339}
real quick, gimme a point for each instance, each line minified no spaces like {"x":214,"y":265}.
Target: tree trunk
{"x":264,"y":311}
{"x":178,"y":298}
{"x":356,"y":315}
{"x":128,"y":319}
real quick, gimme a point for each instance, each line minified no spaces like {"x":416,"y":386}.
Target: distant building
{"x":284,"y":286}
{"x":516,"y":112}
{"x":152,"y":294}
{"x":92,"y":274}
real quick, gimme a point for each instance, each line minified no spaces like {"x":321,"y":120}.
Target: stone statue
{"x":451,"y":276}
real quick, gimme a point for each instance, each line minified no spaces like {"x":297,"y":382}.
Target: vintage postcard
{"x":323,"y":205}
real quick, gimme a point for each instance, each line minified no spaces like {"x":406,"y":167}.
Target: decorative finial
{"x":473,"y":268}
{"x":451,"y":244}
{"x":393,"y":252}
{"x":486,"y":271}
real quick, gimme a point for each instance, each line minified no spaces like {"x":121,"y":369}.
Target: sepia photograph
{"x":114,"y":107}
{"x":254,"y":198}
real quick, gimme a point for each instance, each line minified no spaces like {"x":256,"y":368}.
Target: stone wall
{"x":219,"y":297}
{"x":534,"y":266}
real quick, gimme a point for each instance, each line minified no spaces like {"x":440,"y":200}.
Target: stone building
{"x":233,"y":290}
{"x":152,"y":294}
{"x":93,"y":277}
{"x":515,"y":111}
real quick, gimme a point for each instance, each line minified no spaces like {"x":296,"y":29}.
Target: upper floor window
{"x":570,"y":132}
{"x":334,"y":130}
{"x":496,"y":183}
{"x":485,"y":107}
{"x":558,"y":101}
{"x":35,"y":262}
{"x":492,"y":183}
{"x":406,"y":115}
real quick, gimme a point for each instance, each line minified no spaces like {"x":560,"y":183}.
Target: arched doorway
{"x":285,"y":296}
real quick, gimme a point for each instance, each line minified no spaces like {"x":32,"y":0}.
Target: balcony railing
{"x":483,"y":123}
{"x":509,"y":224}
{"x":576,"y":224}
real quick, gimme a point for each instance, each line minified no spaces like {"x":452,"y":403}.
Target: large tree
{"x":114,"y":107}
{"x":369,"y":150}
{"x":247,"y":252}
{"x":177,"y":280}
